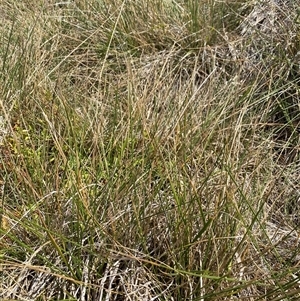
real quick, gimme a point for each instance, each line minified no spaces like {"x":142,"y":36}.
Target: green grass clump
{"x":149,"y":150}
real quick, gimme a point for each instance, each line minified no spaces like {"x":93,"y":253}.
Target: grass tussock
{"x":149,"y":150}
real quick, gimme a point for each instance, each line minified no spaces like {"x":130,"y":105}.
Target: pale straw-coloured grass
{"x":150,"y":150}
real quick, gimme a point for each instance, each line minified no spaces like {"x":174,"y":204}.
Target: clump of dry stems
{"x":149,"y":150}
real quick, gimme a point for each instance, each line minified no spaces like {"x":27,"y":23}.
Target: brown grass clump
{"x":149,"y":150}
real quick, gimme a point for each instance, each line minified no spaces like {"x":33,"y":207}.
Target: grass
{"x":149,"y":150}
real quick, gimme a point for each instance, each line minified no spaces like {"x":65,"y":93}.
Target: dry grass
{"x":149,"y":150}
